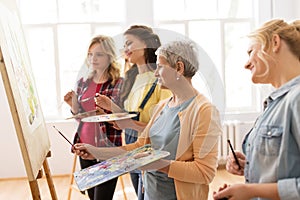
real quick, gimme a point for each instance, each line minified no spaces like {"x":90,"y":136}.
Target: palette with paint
{"x":108,"y":117}
{"x":116,"y":166}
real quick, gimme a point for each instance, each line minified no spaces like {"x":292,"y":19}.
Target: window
{"x":219,"y":27}
{"x":57,"y":35}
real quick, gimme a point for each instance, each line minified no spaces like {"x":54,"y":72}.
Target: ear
{"x":276,"y":42}
{"x":180,"y":67}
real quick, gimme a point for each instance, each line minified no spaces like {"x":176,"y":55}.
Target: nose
{"x":94,"y":56}
{"x":247,"y":65}
{"x":125,"y":48}
{"x":125,"y":51}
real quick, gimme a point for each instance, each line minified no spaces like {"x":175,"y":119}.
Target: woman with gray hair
{"x":187,"y":125}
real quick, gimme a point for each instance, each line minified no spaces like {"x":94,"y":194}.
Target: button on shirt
{"x":272,"y":147}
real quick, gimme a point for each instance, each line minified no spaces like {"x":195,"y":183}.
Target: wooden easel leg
{"x":123,"y":188}
{"x":49,"y":180}
{"x":35,"y":192}
{"x":72,"y":177}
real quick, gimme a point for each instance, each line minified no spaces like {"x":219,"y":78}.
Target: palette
{"x":116,"y":166}
{"x":108,"y":117}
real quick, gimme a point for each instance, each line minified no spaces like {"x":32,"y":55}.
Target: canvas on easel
{"x":22,"y":97}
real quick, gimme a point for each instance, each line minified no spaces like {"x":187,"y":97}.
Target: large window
{"x":219,"y":27}
{"x":58,"y":32}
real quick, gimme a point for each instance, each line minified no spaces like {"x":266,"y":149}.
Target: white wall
{"x":10,"y":158}
{"x":143,"y":15}
{"x":61,"y":160}
{"x":288,"y":10}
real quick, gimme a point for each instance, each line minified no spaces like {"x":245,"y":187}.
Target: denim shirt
{"x":272,"y":147}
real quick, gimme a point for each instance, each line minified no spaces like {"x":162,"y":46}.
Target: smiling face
{"x":97,"y":57}
{"x":258,"y":65}
{"x":165,"y":74}
{"x":134,"y":49}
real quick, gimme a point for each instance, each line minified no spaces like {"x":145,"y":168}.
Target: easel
{"x":22,"y":99}
{"x":72,"y":186}
{"x":33,"y":183}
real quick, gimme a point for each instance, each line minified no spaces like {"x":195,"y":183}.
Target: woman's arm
{"x":106,"y":103}
{"x":90,"y":152}
{"x":248,"y":191}
{"x":131,"y":124}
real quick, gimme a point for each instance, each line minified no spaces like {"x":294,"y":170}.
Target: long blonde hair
{"x":108,"y":44}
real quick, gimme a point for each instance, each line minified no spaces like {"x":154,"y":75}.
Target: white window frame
{"x":139,"y":16}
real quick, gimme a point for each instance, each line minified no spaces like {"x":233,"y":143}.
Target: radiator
{"x":235,"y":132}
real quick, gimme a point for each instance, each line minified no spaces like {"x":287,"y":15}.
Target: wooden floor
{"x":13,"y":189}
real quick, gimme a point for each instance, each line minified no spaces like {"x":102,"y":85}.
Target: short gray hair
{"x":185,"y":51}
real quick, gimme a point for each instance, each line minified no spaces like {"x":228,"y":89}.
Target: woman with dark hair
{"x":140,"y":94}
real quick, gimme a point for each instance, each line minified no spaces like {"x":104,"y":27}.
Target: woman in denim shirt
{"x":271,"y":158}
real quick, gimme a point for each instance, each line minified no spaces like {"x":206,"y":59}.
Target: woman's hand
{"x":248,"y":191}
{"x":69,"y":97}
{"x":236,"y":192}
{"x":232,"y":166}
{"x":81,"y":150}
{"x":122,"y":124}
{"x":216,"y":195}
{"x":103,"y":102}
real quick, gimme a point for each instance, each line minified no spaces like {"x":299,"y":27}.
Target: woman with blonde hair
{"x":103,"y":78}
{"x":270,"y":160}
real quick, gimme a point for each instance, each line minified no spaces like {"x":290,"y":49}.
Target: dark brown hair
{"x":152,"y":41}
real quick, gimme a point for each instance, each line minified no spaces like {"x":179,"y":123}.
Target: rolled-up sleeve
{"x":289,"y":189}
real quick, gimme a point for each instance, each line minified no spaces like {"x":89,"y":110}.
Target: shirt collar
{"x":284,"y":89}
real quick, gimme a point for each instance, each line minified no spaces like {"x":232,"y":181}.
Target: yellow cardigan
{"x":196,"y":157}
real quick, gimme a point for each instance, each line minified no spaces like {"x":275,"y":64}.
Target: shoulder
{"x":120,"y":80}
{"x":201,"y":101}
{"x":114,"y":83}
{"x":80,"y":80}
{"x":295,"y":92}
{"x":83,"y":82}
{"x":164,"y":101}
{"x":201,"y":107}
{"x":293,"y":97}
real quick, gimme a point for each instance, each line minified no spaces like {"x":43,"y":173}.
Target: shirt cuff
{"x":287,"y":189}
{"x":72,"y":112}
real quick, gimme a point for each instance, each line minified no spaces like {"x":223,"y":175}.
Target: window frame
{"x":126,"y":22}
